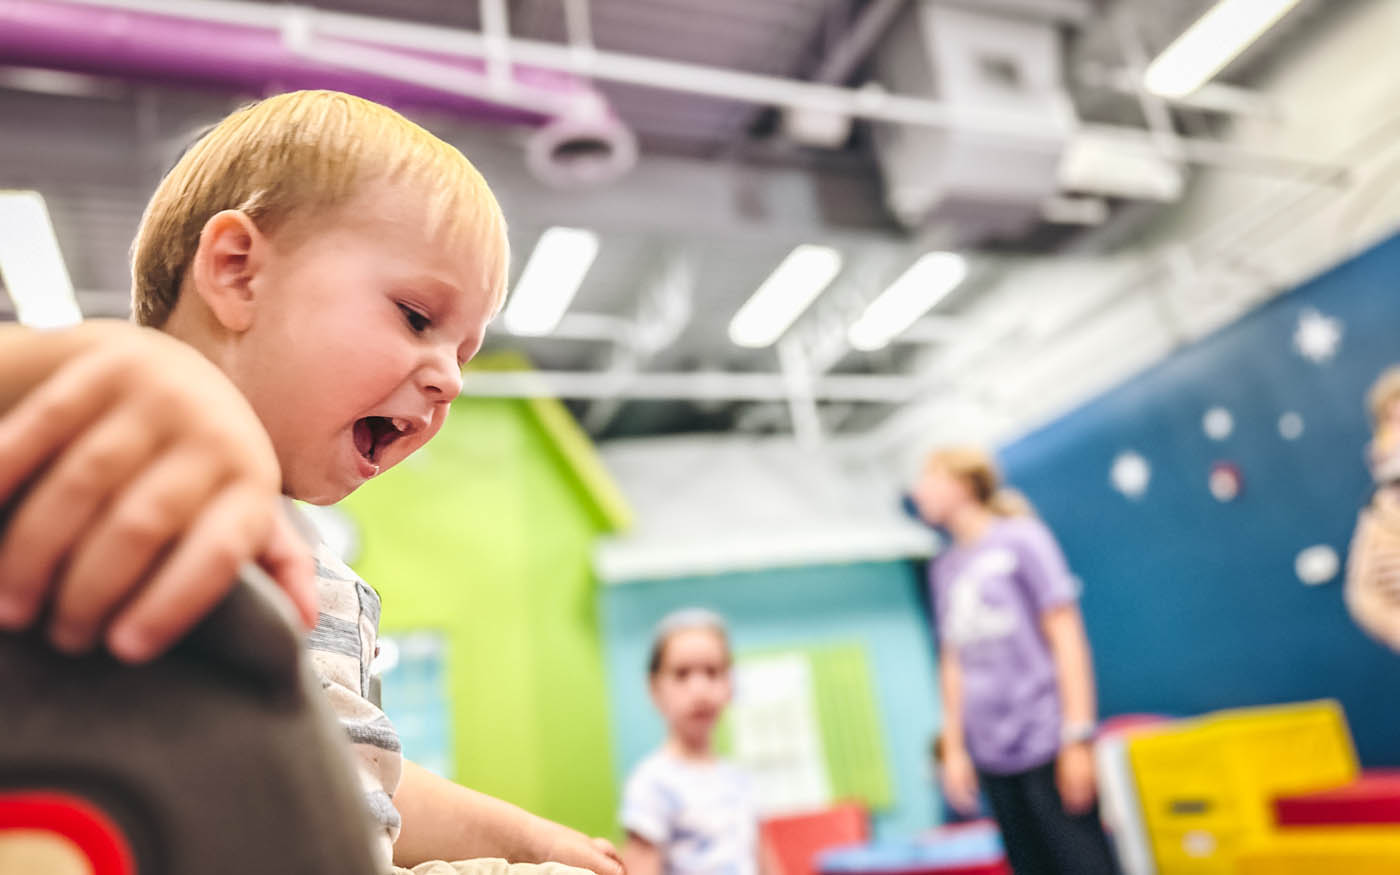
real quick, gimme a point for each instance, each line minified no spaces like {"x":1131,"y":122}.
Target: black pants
{"x":1041,"y":838}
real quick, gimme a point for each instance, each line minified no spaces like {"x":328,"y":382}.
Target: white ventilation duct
{"x":975,"y":62}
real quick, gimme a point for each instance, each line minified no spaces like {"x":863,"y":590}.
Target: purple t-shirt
{"x":989,"y":598}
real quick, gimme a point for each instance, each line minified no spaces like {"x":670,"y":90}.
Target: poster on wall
{"x":776,"y":734}
{"x":805,"y":724}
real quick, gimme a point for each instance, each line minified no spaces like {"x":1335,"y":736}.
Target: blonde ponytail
{"x":1010,"y":502}
{"x":976,"y":467}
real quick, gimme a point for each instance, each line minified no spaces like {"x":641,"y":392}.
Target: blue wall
{"x":1192,"y":604}
{"x":878,"y":604}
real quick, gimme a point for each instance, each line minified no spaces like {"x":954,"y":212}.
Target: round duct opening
{"x":581,"y":153}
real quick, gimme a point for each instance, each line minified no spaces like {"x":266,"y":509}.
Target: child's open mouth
{"x":373,"y":434}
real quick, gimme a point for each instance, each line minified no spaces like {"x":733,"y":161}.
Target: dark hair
{"x":681,"y":621}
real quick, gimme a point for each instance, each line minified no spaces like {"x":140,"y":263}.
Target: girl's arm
{"x":950,"y":678}
{"x":1074,"y":671}
{"x":959,"y":776}
{"x":640,"y":857}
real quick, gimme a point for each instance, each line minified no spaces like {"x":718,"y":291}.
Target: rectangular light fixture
{"x":550,"y":280}
{"x":919,"y":289}
{"x":31,"y":265}
{"x":787,"y":293}
{"x":1214,"y":40}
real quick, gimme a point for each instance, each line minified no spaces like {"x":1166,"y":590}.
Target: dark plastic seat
{"x":220,"y":758}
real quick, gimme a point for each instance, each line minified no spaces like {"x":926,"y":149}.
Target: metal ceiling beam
{"x":1210,"y":246}
{"x":662,"y":313}
{"x":1217,"y":97}
{"x":867,"y":30}
{"x":688,"y":386}
{"x":1052,"y":10}
{"x":648,"y":72}
{"x":802,"y":403}
{"x":666,"y":75}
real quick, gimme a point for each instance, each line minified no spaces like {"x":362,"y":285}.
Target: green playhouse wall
{"x":485,"y":536}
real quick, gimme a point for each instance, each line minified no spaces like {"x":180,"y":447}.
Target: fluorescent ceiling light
{"x":789,"y":290}
{"x":1215,"y":40}
{"x":31,"y":265}
{"x":59,"y":83}
{"x":918,"y":290}
{"x":550,"y":280}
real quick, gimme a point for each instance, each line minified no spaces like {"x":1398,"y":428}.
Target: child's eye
{"x":417,"y":321}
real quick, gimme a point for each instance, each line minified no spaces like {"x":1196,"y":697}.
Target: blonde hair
{"x":1384,"y":392}
{"x":976,"y":467}
{"x":295,"y":153}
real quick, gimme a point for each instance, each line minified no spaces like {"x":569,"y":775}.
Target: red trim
{"x":1373,"y":798}
{"x":96,"y":835}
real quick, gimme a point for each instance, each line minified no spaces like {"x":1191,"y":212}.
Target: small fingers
{"x":49,"y":523}
{"x":200,"y":570}
{"x":46,"y":420}
{"x":287,"y":560}
{"x":125,"y":543}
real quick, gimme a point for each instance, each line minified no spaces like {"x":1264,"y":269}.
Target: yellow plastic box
{"x":1206,"y":785}
{"x":1353,"y":850}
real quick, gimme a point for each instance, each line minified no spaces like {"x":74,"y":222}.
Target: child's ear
{"x":230,"y":254}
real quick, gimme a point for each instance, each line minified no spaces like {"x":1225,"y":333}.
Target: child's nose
{"x":443,"y":376}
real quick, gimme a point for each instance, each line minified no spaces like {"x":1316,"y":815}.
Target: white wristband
{"x":1077,"y":733}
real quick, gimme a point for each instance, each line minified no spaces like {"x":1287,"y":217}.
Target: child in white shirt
{"x":685,"y":810}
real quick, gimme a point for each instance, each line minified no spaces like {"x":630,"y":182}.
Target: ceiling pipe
{"x":269,"y":49}
{"x":865,"y":32}
{"x":666,"y":75}
{"x":688,"y":386}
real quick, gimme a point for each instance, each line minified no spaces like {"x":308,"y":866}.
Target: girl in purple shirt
{"x":1018,"y":686}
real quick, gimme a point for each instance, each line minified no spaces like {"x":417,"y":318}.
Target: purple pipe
{"x":171,"y":50}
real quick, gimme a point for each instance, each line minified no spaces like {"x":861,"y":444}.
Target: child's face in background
{"x":1391,"y":424}
{"x":693,"y":685}
{"x":363,"y":322}
{"x":938,"y":494}
{"x":1386,"y":441}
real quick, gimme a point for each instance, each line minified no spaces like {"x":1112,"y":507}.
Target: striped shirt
{"x":341,"y":647}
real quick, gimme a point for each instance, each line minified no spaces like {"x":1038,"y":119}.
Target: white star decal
{"x":1317,"y":337}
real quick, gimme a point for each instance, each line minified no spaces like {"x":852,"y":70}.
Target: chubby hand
{"x":573,"y":848}
{"x":136,"y":479}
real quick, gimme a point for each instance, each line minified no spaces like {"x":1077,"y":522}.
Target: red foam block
{"x":1374,"y":798}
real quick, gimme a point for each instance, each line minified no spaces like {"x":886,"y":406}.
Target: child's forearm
{"x":1074,"y":670}
{"x":446,"y":821}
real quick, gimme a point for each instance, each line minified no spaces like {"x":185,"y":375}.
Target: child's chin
{"x":319,"y":493}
